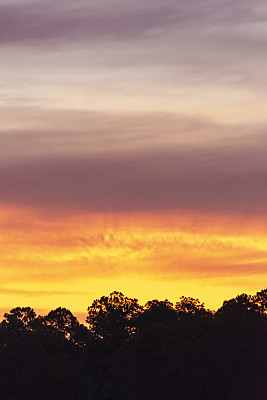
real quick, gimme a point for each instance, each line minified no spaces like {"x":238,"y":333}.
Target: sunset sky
{"x":133,"y":149}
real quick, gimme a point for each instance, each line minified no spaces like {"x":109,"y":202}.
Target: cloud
{"x":74,"y":249}
{"x":37,"y":293}
{"x":54,"y":20}
{"x":40,"y":132}
{"x":36,"y":131}
{"x":215,"y":178}
{"x":171,"y":52}
{"x":33,"y":21}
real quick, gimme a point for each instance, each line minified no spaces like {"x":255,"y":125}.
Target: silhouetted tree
{"x":62,"y":322}
{"x":190,"y":306}
{"x":238,"y":305}
{"x":153,"y":352}
{"x":20,"y":320}
{"x":241,"y":330}
{"x":260,"y":299}
{"x":156,"y":312}
{"x":113,"y":318}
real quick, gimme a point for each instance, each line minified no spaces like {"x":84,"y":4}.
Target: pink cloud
{"x":230,"y":179}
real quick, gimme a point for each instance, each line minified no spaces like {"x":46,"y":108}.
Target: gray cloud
{"x":45,"y":132}
{"x":34,"y":21}
{"x":165,"y":45}
{"x":42,"y":132}
{"x":229,"y":180}
{"x":54,"y":20}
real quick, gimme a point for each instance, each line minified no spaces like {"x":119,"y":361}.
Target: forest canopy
{"x":157,"y":351}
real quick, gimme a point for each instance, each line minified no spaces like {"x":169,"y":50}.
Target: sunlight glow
{"x":73,"y":259}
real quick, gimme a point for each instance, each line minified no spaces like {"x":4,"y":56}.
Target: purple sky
{"x":114,"y":105}
{"x":226,"y":177}
{"x":133,"y":143}
{"x":141,"y":105}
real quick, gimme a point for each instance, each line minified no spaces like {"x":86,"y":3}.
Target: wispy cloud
{"x":225,"y":179}
{"x":54,"y":20}
{"x":112,"y":110}
{"x":113,"y":52}
{"x":39,"y":21}
{"x":76,"y":250}
{"x":37,"y":293}
{"x":33,"y":131}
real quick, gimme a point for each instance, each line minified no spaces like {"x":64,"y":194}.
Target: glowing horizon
{"x":71,"y":260}
{"x":132,"y":151}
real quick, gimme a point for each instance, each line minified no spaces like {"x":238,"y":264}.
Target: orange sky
{"x":132,"y":150}
{"x":69,"y":261}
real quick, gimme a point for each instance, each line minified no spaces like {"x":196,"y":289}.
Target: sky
{"x":132,"y":151}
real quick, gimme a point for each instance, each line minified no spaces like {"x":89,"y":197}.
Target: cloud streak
{"x":132,"y":147}
{"x":37,"y":293}
{"x":206,"y":179}
{"x":36,"y":132}
{"x":142,"y":53}
{"x":33,"y":21}
{"x":39,"y":21}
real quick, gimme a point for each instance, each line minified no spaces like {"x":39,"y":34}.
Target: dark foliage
{"x":112,"y":318}
{"x":159,"y":351}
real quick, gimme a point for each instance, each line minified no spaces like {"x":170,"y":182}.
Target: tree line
{"x":162,"y":350}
